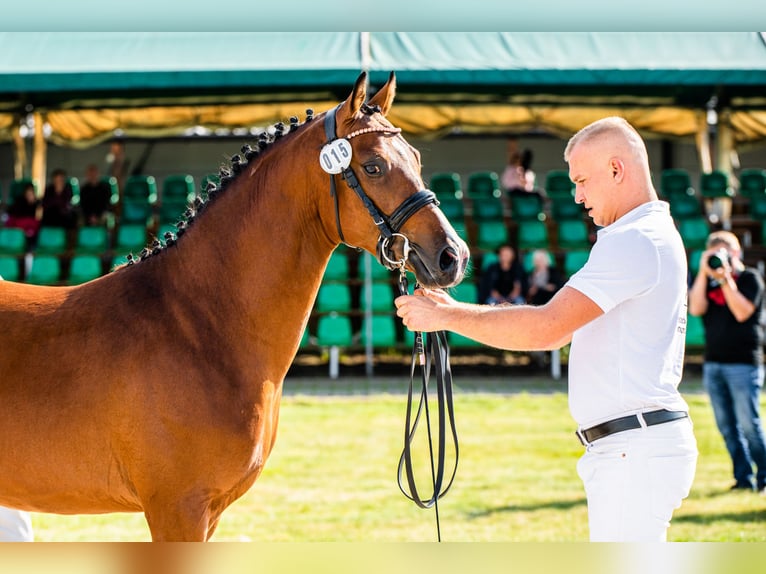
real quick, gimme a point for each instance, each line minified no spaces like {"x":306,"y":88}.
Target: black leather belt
{"x":587,"y":436}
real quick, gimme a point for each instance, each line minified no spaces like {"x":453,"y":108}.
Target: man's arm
{"x":740,"y":306}
{"x":515,"y":327}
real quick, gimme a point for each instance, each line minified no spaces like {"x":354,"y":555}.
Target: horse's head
{"x":383,"y":206}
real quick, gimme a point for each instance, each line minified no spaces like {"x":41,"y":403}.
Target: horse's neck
{"x":253,"y":261}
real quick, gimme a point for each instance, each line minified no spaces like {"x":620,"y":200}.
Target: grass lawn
{"x":332,"y":475}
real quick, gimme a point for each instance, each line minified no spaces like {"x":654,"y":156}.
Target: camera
{"x":717,"y":259}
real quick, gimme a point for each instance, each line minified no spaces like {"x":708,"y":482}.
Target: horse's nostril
{"x":448,"y":259}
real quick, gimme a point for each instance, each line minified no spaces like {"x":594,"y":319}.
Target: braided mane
{"x":249,"y":153}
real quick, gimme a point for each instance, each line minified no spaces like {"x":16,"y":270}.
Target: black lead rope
{"x":435,"y":353}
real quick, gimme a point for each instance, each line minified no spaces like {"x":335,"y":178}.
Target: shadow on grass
{"x":754,"y":516}
{"x":549,"y":505}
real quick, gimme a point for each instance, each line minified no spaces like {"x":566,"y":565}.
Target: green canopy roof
{"x":86,"y":69}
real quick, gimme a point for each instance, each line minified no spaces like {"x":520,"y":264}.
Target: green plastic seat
{"x":334,"y":330}
{"x":45,"y":270}
{"x":383,"y":331}
{"x":683,"y":206}
{"x":130,"y":237}
{"x":177,"y":193}
{"x":532,"y":234}
{"x":138,"y":199}
{"x":51,"y":241}
{"x":675,"y":181}
{"x":92,"y":239}
{"x":715,"y":184}
{"x":756,"y":208}
{"x":337,"y":267}
{"x":558,"y":184}
{"x":491,"y":234}
{"x":564,"y":207}
{"x":694,"y":257}
{"x":526,"y":207}
{"x":573,"y":234}
{"x":574,"y":260}
{"x":483,"y":184}
{"x":752,"y":182}
{"x":446,"y":185}
{"x":695,"y":331}
{"x":333,"y":297}
{"x":694,"y":232}
{"x":10,"y":268}
{"x":382,"y":298}
{"x":453,"y":209}
{"x":487,"y":209}
{"x":12,"y":241}
{"x":84,"y":268}
{"x":467,"y":291}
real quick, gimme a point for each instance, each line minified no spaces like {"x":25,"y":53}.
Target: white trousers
{"x":15,"y":525}
{"x":635,"y":479}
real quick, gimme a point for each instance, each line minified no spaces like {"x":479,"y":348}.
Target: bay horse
{"x":156,"y":388}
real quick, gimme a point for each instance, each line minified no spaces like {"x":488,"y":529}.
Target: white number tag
{"x":335,"y":156}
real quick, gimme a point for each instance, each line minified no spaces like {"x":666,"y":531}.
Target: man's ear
{"x":618,"y":169}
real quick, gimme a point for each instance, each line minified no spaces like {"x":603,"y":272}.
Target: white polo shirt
{"x":631,"y":358}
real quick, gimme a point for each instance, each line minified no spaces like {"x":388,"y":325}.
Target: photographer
{"x":729,"y":297}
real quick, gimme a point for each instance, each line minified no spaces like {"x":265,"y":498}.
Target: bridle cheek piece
{"x":335,"y":158}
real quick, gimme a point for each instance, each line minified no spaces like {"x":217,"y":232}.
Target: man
{"x":625,"y":315}
{"x":729,"y":297}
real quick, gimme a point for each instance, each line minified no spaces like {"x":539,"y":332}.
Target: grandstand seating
{"x":526,"y":207}
{"x":752,"y":182}
{"x":382,"y":330}
{"x":12,"y":241}
{"x":683,"y":206}
{"x":485,"y":218}
{"x":446,"y":185}
{"x":532,"y":234}
{"x":10,"y":268}
{"x":487,"y":209}
{"x":483,"y":184}
{"x":51,"y":241}
{"x":715,"y":184}
{"x":333,"y":297}
{"x":694,"y":231}
{"x":675,"y":181}
{"x":178,"y":192}
{"x":573,"y":234}
{"x":45,"y":270}
{"x":491,"y":234}
{"x":138,"y":199}
{"x":558,"y":184}
{"x":564,"y":207}
{"x":92,"y":239}
{"x":84,"y":268}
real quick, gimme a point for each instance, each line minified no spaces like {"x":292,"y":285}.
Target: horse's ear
{"x":347,"y":112}
{"x":385,"y":96}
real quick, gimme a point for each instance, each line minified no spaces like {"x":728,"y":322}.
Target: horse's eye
{"x":372,"y":169}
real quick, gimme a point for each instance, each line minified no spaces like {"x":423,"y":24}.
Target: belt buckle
{"x":581,"y":436}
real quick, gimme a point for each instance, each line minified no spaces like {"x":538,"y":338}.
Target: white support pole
{"x":556,"y":364}
{"x":334,"y":360}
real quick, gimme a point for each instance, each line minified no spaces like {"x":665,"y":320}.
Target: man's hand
{"x":425,"y":310}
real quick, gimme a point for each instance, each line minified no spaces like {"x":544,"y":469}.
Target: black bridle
{"x":436,"y":350}
{"x":388,"y":226}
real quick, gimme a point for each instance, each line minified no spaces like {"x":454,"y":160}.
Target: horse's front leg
{"x":174,"y":519}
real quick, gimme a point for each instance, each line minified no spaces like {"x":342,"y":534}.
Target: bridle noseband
{"x":388,"y":226}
